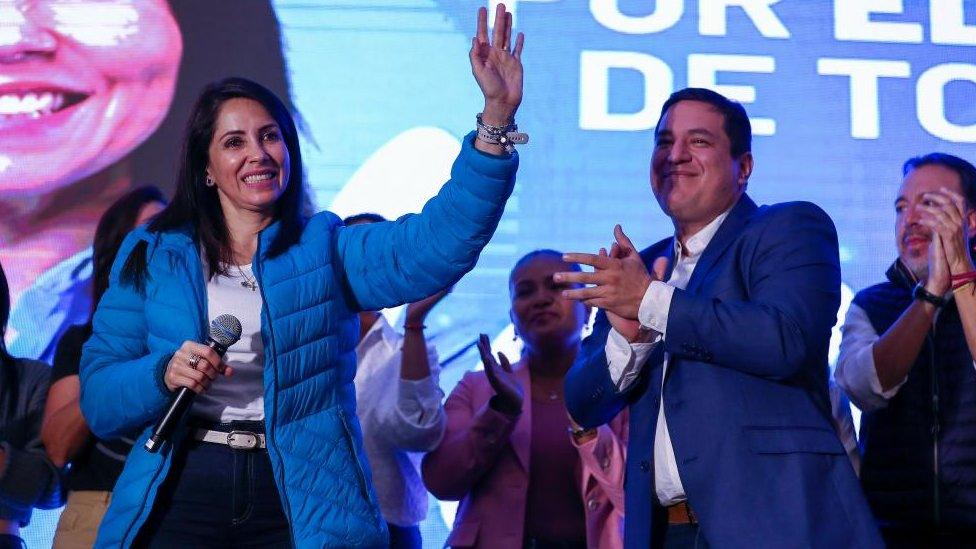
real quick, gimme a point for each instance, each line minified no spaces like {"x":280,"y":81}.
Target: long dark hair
{"x":213,"y":47}
{"x":8,"y":368}
{"x":197,"y":206}
{"x":115,"y":224}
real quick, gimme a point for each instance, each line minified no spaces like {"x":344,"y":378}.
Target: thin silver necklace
{"x":249,"y":283}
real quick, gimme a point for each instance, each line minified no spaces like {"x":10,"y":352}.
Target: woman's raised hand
{"x":497,"y":66}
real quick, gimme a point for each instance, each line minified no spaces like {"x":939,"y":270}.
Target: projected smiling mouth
{"x":35,"y":103}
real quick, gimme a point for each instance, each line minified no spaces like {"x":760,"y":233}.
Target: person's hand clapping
{"x":508,"y":392}
{"x":618,"y":282}
{"x":946,"y":215}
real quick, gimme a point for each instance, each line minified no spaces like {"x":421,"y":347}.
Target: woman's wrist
{"x":961,"y":267}
{"x":500,"y":404}
{"x":414,"y":322}
{"x":582,"y":435}
{"x":497,"y":115}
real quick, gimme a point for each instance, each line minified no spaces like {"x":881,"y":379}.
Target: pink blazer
{"x":483,"y":461}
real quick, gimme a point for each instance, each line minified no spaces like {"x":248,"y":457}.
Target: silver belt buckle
{"x":242,"y":440}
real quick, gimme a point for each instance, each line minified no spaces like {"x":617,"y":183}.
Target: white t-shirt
{"x":240,"y":396}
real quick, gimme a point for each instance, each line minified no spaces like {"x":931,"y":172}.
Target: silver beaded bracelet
{"x":506,"y":136}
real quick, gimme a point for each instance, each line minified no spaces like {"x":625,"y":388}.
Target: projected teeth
{"x":30,"y":104}
{"x":258,"y":178}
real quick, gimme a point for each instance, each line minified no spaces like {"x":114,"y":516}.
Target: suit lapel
{"x":664,"y":248}
{"x":521,"y":436}
{"x":731,"y":228}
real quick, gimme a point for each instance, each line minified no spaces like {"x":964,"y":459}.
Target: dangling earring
{"x":209,"y":182}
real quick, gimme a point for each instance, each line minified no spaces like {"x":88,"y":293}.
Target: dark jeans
{"x":10,"y":541}
{"x":404,"y":537}
{"x":900,"y":538}
{"x":684,"y":536}
{"x":217,"y":497}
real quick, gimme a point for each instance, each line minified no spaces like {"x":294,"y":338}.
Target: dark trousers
{"x":910,"y":538}
{"x":684,"y":536}
{"x":10,"y":541}
{"x":404,"y":537}
{"x":217,"y":497}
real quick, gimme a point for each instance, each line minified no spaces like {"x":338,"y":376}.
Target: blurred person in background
{"x":525,"y":473}
{"x":95,"y":464}
{"x":906,"y":360}
{"x":28,"y":479}
{"x":398,"y":401}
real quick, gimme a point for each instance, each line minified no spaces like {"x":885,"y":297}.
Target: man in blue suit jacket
{"x":717,"y":341}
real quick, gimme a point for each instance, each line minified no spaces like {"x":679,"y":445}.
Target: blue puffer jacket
{"x":309,"y":326}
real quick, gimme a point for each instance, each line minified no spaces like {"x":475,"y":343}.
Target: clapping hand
{"x":508,"y":392}
{"x":946,"y":214}
{"x":619,"y":281}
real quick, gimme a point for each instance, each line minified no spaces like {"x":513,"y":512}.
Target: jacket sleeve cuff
{"x":625,"y":360}
{"x":419,"y":401}
{"x":655,"y":306}
{"x":493,"y":426}
{"x":159,"y":374}
{"x":497,"y":167}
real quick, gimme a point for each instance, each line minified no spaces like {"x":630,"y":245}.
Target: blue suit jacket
{"x":745,"y":397}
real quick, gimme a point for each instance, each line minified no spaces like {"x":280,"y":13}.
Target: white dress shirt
{"x":625,"y":360}
{"x":855,"y":372}
{"x":399,"y":418}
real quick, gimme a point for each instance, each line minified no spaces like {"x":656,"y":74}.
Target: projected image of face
{"x":913,"y":238}
{"x":82,"y":83}
{"x":693,"y":174}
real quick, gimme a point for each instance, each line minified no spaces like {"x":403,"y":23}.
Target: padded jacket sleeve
{"x":391,"y":263}
{"x":122,"y":387}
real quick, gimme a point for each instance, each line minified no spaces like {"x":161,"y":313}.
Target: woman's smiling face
{"x":82,"y":84}
{"x":249,"y":162}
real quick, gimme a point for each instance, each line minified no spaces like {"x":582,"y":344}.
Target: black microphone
{"x":225,"y":330}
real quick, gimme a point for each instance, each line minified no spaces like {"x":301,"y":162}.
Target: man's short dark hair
{"x":965,"y":171}
{"x":736,"y":121}
{"x":366,"y":217}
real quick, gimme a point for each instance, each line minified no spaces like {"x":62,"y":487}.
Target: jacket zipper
{"x":271,"y":425}
{"x":166,"y":463}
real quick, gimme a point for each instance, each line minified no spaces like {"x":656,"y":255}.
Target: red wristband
{"x":960,"y":280}
{"x":970,"y":276}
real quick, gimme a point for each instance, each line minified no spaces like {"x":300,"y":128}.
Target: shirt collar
{"x":379,"y":331}
{"x":697,"y":243}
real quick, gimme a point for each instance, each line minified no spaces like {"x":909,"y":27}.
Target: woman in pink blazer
{"x":525,"y":474}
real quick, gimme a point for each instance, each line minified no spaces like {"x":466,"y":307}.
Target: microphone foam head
{"x":225,"y":330}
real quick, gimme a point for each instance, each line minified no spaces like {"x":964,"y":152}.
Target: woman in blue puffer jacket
{"x":271,"y":455}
